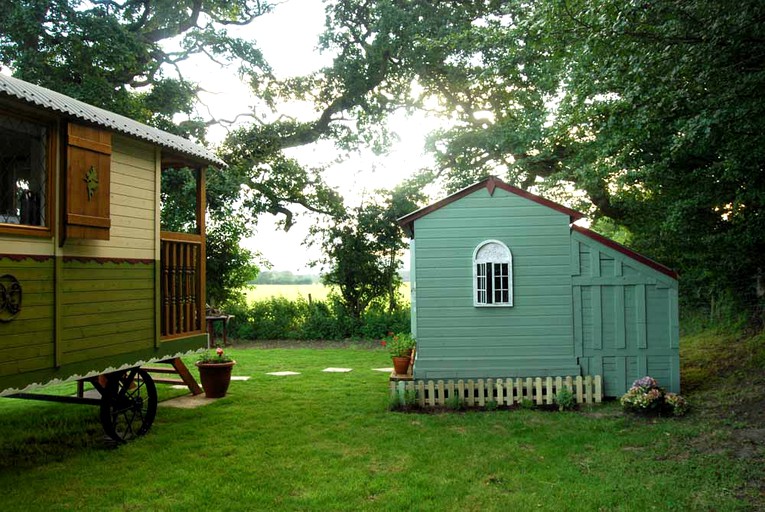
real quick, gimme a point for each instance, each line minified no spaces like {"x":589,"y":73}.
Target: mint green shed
{"x":504,"y":284}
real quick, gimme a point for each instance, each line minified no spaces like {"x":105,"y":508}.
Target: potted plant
{"x":215,"y":372}
{"x":400,"y":347}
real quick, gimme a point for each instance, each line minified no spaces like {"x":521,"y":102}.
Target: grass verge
{"x":320,"y":441}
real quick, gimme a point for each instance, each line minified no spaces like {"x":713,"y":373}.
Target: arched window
{"x":492,"y":274}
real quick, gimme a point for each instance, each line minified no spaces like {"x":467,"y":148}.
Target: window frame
{"x":487,"y":277}
{"x":51,"y":127}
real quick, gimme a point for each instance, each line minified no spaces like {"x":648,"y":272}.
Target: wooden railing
{"x":182,"y":284}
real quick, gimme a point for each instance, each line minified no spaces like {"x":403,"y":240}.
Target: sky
{"x":288,"y":38}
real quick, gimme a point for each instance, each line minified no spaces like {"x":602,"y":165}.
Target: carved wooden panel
{"x":87,"y":182}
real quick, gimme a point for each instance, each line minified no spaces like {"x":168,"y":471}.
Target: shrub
{"x":491,"y":405}
{"x":454,"y":403}
{"x":645,"y":397}
{"x":279,"y":318}
{"x":526,"y":404}
{"x":399,"y":401}
{"x":565,"y":399}
{"x":378,"y":321}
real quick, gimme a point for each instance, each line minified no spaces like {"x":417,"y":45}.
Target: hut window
{"x":492,"y":274}
{"x":23,"y":172}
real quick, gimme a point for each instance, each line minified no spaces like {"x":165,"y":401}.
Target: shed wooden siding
{"x":625,"y":317}
{"x":26,"y":343}
{"x":458,"y":340}
{"x":133,"y":205}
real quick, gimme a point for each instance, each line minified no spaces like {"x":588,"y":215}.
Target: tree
{"x":362,"y":248}
{"x":653,"y":109}
{"x":120,"y":55}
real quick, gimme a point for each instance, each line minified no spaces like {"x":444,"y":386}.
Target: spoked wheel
{"x":128,"y":404}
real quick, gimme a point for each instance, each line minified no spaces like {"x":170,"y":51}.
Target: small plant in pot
{"x":215,"y":372}
{"x":400,"y":347}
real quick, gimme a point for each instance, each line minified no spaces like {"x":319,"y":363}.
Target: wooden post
{"x":201,"y":279}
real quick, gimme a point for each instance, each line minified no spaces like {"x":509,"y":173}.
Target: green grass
{"x":294,"y":291}
{"x":321,"y":441}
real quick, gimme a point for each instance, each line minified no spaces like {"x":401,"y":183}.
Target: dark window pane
{"x":489,"y":287}
{"x":23,"y":172}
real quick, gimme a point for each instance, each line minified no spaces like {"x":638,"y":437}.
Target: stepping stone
{"x":283,"y":374}
{"x":337,"y":370}
{"x":187,"y":401}
{"x":242,"y":377}
{"x":179,"y":386}
{"x":386,"y":370}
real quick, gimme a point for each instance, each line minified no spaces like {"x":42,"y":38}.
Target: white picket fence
{"x":475,"y":393}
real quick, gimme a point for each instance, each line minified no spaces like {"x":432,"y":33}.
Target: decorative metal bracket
{"x":91,"y":180}
{"x":10,"y":298}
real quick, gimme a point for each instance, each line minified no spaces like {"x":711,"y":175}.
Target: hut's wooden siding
{"x":455,"y":339}
{"x":108,"y":308}
{"x":27,"y":343}
{"x":625,"y":317}
{"x":133,"y":206}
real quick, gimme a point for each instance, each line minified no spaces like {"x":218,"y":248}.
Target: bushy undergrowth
{"x":279,"y":318}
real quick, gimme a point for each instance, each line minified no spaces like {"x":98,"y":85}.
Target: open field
{"x":293,"y":291}
{"x":321,"y":441}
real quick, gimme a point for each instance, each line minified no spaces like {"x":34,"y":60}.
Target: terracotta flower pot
{"x":215,"y":378}
{"x":401,"y":365}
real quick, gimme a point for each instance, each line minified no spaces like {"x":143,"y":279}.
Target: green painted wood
{"x":638,"y":306}
{"x":95,"y":332}
{"x":16,"y":367}
{"x":111,"y":274}
{"x":107,"y":296}
{"x":578,"y":333}
{"x":489,"y":339}
{"x":36,"y":299}
{"x":596,"y":365}
{"x":19,"y":265}
{"x":99,"y":308}
{"x":621,"y":373}
{"x":613,"y":281}
{"x":28,"y":338}
{"x":595,"y":263}
{"x":20,"y":326}
{"x":413,"y":285}
{"x":674,"y":320}
{"x":27,"y":374}
{"x":576,"y":268}
{"x":43,"y":273}
{"x":620,"y":339}
{"x":642,"y":335}
{"x":108,"y":285}
{"x":26,"y":352}
{"x":145,"y":313}
{"x":125,"y":345}
{"x":158,"y":303}
{"x":642,"y":365}
{"x":597,"y":318}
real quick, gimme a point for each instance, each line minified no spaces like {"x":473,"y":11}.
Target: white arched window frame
{"x":492,"y":275}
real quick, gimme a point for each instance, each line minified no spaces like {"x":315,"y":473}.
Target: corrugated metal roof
{"x":52,"y":100}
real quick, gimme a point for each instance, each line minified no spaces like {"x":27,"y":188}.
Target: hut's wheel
{"x":128,"y":404}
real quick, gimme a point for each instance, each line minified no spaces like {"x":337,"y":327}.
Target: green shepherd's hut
{"x":504,"y":284}
{"x":91,"y":287}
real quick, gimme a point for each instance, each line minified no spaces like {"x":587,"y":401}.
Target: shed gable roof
{"x":648,"y":262}
{"x":57,"y":102}
{"x":491,"y":183}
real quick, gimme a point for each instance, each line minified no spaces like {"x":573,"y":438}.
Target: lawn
{"x":294,"y":291}
{"x":320,"y":441}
